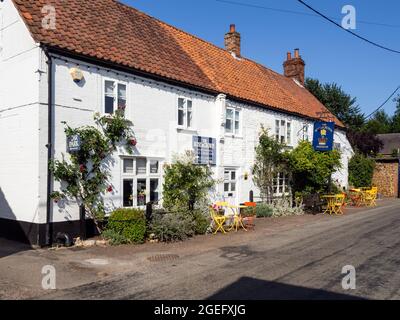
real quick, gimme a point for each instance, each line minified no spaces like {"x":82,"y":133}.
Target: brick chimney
{"x":232,"y":41}
{"x":294,"y":67}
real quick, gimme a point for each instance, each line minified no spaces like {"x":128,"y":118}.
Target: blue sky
{"x":332,"y":55}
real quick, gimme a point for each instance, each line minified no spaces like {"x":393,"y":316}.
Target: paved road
{"x":300,"y":263}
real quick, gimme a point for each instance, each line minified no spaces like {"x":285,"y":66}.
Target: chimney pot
{"x":232,"y":41}
{"x":294,"y":68}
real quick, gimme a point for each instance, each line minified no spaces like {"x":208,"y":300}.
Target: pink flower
{"x":110,"y":189}
{"x":133,"y":142}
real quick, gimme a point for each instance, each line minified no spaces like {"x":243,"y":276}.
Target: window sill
{"x":186,"y":130}
{"x":233,"y":136}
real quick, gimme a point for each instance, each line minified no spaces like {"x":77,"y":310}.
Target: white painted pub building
{"x":177,"y":89}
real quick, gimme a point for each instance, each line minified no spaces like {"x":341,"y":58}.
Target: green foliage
{"x":201,"y":221}
{"x":284,"y":207}
{"x":186,"y":184}
{"x":84,"y":176}
{"x":128,"y":223}
{"x":264,"y":210}
{"x":361,"y":170}
{"x":380,"y":123}
{"x":269,"y":161}
{"x":311,"y":169}
{"x":114,"y":238}
{"x":172,"y":226}
{"x":341,"y":104}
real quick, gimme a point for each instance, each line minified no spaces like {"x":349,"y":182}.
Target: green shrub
{"x":264,"y":210}
{"x":172,"y":226}
{"x":361,"y":171}
{"x":114,"y":238}
{"x":201,"y":222}
{"x":128,"y":223}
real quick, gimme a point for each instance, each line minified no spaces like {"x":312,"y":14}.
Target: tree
{"x":361,"y":171}
{"x":341,"y":104}
{"x":396,"y":117}
{"x":364,"y":142}
{"x":185,"y":183}
{"x":84,"y":176}
{"x":311,"y":169}
{"x":269,"y":161}
{"x":380,"y":123}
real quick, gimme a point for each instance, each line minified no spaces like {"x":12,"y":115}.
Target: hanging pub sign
{"x":74,"y":143}
{"x":205,"y":150}
{"x":323,"y":136}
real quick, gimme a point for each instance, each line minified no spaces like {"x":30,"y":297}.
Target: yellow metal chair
{"x":370,"y":197}
{"x":218,"y":220}
{"x":338,"y":204}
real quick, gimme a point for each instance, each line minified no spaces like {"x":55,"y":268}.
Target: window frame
{"x":276,"y":185}
{"x":235,"y":111}
{"x":185,"y":113}
{"x":135,"y":177}
{"x":117,"y":83}
{"x":231,"y":181}
{"x":282,"y":131}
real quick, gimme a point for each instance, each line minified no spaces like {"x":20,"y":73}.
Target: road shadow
{"x":254,"y":289}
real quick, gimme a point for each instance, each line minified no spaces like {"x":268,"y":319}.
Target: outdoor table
{"x":237,"y":218}
{"x":330,"y":206}
{"x":357,"y":197}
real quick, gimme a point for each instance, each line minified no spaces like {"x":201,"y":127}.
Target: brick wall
{"x":386,"y":177}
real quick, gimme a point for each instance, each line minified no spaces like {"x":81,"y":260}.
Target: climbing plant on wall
{"x":84,"y":175}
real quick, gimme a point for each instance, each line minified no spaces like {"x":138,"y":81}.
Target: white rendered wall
{"x":152,"y":107}
{"x":19,"y":126}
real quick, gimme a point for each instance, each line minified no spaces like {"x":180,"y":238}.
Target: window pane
{"x":228,"y":126}
{"x":181,"y":117}
{"x":233,"y":175}
{"x":141,"y":192}
{"x":226,"y":187}
{"x":233,"y":186}
{"x":128,"y":193}
{"x":128,"y":166}
{"x":140,"y":166}
{"x":121,"y":96}
{"x":288,"y":132}
{"x":154,"y":190}
{"x":109,"y":105}
{"x":154,"y":164}
{"x":189,"y":113}
{"x":181,"y":112}
{"x":226,"y":175}
{"x":109,"y":97}
{"x":229,"y":114}
{"x":237,"y":118}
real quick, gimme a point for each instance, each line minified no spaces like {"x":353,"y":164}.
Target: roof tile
{"x":109,"y":30}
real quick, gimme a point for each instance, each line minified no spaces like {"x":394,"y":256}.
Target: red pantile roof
{"x":113,"y":32}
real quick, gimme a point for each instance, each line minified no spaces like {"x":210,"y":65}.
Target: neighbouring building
{"x":177,"y":89}
{"x":387,"y":170}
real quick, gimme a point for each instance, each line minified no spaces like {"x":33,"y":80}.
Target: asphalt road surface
{"x":300,"y":263}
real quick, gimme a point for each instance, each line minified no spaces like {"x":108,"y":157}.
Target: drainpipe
{"x":50,"y":77}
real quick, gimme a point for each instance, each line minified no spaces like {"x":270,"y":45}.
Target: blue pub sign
{"x":74,"y":143}
{"x":205,"y":150}
{"x":323,"y":136}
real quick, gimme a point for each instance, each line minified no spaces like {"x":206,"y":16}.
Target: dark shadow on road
{"x":254,"y":289}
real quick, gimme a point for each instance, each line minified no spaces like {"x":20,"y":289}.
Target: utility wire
{"x":352,"y":33}
{"x":383,"y":104}
{"x":249,"y":5}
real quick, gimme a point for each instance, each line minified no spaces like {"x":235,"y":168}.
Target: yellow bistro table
{"x":330,"y":208}
{"x":237,"y":218}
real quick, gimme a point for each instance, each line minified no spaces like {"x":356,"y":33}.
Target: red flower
{"x":82,"y":168}
{"x":133,"y":142}
{"x":110,"y":189}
